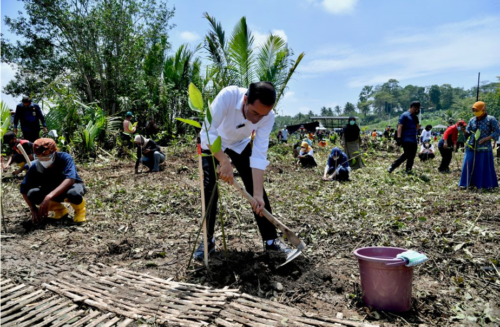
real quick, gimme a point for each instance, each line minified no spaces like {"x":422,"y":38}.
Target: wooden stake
{"x":202,"y":189}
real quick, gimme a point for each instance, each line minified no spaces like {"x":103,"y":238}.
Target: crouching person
{"x":148,"y":153}
{"x":306,"y":156}
{"x":17,"y":157}
{"x":53,"y":179}
{"x":337,"y":166}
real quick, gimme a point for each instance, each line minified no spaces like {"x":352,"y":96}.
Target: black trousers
{"x":409,"y":153}
{"x":242,"y":164}
{"x":31,"y":135}
{"x":308,"y":161}
{"x":74,"y":194}
{"x":426,"y":156}
{"x":446,"y":155}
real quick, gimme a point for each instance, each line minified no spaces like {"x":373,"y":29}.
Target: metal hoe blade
{"x":294,"y":254}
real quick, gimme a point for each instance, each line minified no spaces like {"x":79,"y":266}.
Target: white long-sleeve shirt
{"x":228,"y":123}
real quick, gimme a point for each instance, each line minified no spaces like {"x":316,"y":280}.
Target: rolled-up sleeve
{"x":258,"y":159}
{"x":218,"y":108}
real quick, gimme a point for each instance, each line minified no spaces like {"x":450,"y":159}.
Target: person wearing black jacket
{"x":29,"y":115}
{"x":148,"y":153}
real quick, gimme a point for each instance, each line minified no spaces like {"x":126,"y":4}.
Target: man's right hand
{"x":399,"y":142}
{"x":226,"y":172}
{"x":35,"y":218}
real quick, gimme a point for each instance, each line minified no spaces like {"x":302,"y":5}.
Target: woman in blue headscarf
{"x":337,"y":166}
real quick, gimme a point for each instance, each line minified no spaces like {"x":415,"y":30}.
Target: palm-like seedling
{"x":238,"y":62}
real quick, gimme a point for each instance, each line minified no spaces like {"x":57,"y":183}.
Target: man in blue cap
{"x":29,"y":115}
{"x":128,"y":128}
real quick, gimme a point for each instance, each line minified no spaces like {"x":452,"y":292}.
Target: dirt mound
{"x":259,"y":274}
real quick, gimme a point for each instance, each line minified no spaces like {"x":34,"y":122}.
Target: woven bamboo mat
{"x":24,"y":306}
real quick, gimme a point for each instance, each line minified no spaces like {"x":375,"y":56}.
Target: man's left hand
{"x":258,"y":204}
{"x":146,"y":151}
{"x":43,"y":210}
{"x":45,"y":129}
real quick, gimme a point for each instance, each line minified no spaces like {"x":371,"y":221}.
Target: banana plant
{"x":4,"y":118}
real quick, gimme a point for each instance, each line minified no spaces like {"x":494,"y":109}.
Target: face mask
{"x":478,"y":113}
{"x":48,"y":163}
{"x":352,"y":122}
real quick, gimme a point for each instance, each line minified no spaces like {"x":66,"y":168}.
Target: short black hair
{"x":263,"y":91}
{"x":26,"y":99}
{"x":415,"y":104}
{"x":9,"y":136}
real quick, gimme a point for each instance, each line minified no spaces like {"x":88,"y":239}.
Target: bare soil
{"x":149,"y":222}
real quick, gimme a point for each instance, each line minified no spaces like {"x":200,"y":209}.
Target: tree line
{"x":379,"y":102}
{"x":85,"y":59}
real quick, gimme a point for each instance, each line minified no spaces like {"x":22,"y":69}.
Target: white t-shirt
{"x":426,"y":151}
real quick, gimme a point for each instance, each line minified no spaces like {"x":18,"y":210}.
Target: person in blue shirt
{"x":337,"y":166}
{"x":408,"y":126}
{"x":29,"y":115}
{"x":51,"y":179}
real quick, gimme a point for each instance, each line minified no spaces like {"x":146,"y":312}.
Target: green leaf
{"x":190,"y":122}
{"x":209,"y":115}
{"x":216,"y":146}
{"x":477,"y":134}
{"x":191,"y":105}
{"x":195,"y":97}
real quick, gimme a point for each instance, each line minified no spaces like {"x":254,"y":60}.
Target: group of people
{"x":478,"y":165}
{"x":52,"y":178}
{"x":339,"y":163}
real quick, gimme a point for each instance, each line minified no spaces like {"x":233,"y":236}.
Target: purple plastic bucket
{"x":384,"y":287}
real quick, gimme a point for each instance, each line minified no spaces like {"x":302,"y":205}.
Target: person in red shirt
{"x":448,"y":144}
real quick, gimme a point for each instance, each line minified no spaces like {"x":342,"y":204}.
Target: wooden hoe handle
{"x":285,"y":230}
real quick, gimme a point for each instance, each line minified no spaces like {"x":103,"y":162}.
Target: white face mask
{"x":47,"y":164}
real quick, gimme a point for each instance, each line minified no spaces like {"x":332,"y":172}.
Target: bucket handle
{"x":401,"y":262}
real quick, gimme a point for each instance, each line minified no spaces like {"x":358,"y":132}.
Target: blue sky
{"x":352,"y":43}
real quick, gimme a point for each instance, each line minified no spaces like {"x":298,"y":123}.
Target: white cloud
{"x":339,"y":7}
{"x":190,"y":36}
{"x":472,"y":44}
{"x":289,"y":96}
{"x":260,"y":38}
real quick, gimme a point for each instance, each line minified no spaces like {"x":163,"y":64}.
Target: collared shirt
{"x":228,"y":123}
{"x":30,"y":117}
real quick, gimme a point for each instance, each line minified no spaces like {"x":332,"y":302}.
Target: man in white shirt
{"x":284,"y":132}
{"x":236,"y":112}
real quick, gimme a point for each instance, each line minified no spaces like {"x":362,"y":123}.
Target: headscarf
{"x":142,"y":140}
{"x":44,"y":147}
{"x":351,"y":132}
{"x":336,"y":152}
{"x":307,"y":146}
{"x":481,"y":106}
